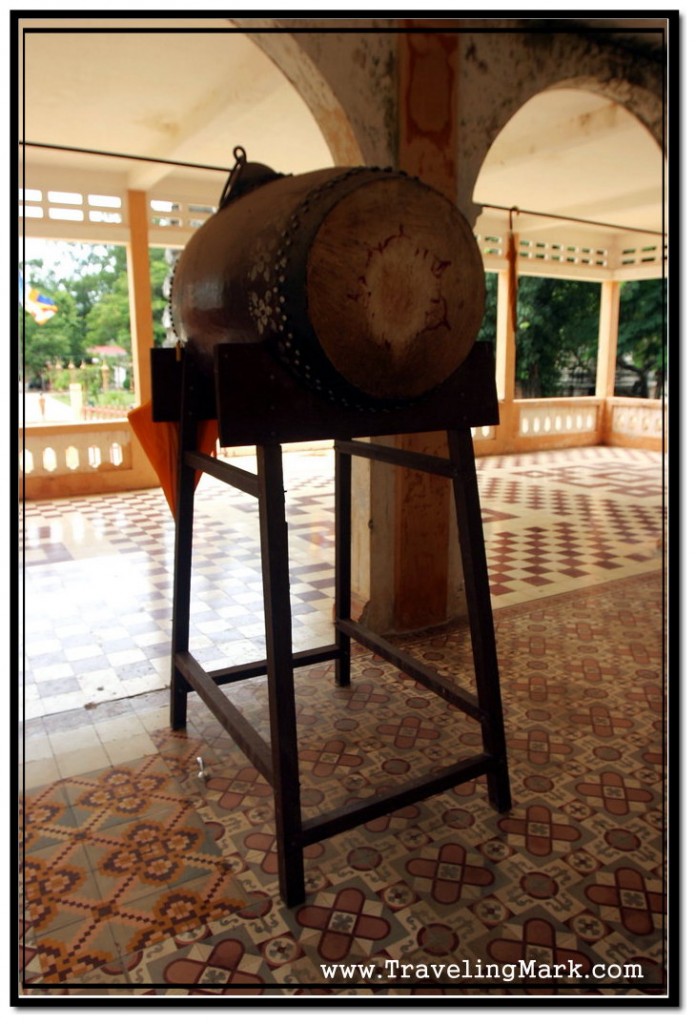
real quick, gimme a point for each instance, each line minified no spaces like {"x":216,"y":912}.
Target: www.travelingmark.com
{"x":477,"y":971}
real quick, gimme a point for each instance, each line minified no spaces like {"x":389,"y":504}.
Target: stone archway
{"x":565,"y":151}
{"x":500,"y":73}
{"x":346,"y":83}
{"x":643,"y":103}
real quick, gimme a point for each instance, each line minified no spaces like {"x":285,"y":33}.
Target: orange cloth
{"x":161,"y":444}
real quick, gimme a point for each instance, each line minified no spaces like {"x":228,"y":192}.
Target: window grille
{"x":172,"y":213}
{"x":642,"y":254}
{"x":58,"y":205}
{"x":557,"y":252}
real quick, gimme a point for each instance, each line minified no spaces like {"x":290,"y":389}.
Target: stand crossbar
{"x":233,"y":475}
{"x":300,"y":659}
{"x":333,"y":822}
{"x":428,"y":677}
{"x":246,"y":737}
{"x":398,"y":457}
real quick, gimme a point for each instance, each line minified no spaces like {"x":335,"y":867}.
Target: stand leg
{"x":480,"y":614}
{"x":276,"y":591}
{"x":183,"y":549}
{"x":343,"y":562}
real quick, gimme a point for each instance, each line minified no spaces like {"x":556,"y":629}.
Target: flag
{"x":40,"y":306}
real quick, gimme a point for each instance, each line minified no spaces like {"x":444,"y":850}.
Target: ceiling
{"x":576,"y":154}
{"x":180,"y":97}
{"x":194,"y":97}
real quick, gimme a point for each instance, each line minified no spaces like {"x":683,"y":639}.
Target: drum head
{"x":395,"y":288}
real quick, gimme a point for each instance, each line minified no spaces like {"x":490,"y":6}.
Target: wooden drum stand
{"x":259,"y":403}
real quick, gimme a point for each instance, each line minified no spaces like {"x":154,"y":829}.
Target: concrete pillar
{"x":76,"y":400}
{"x":607,"y":349}
{"x":139,"y":286}
{"x":608,"y":338}
{"x":505,"y":361}
{"x":504,"y":341}
{"x":427,"y":77}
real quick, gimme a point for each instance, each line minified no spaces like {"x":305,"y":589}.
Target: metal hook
{"x":240,"y":157}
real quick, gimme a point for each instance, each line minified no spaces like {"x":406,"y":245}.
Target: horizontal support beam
{"x":466,"y":702}
{"x":313,"y":656}
{"x":233,"y":475}
{"x":398,"y":456}
{"x":332,"y":822}
{"x":245,"y":736}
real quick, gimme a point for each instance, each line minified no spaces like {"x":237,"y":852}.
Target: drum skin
{"x":365,"y":283}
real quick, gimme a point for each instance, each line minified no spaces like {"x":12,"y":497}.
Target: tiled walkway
{"x":139,"y":873}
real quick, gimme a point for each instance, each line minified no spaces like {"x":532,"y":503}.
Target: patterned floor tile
{"x":572,"y":870}
{"x":159,"y":876}
{"x":115,"y":861}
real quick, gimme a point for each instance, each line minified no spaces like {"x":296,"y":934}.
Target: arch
{"x":565,"y":149}
{"x":346,"y":81}
{"x":285,"y":51}
{"x":500,"y":73}
{"x":645,"y":105}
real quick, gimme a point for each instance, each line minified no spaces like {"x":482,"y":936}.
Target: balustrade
{"x":66,"y":459}
{"x":640,"y":421}
{"x":558,"y":416}
{"x":65,"y":449}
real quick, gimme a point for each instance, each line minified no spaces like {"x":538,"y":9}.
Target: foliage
{"x":93,"y":307}
{"x":107,"y":322}
{"x":557,"y":323}
{"x":557,"y":334}
{"x":642,"y":348}
{"x":488,"y":327}
{"x":116,"y":399}
{"x":89,"y":376}
{"x":159,"y":269}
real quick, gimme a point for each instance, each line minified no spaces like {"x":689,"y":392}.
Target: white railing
{"x":78,"y":458}
{"x":487,"y":433}
{"x":553,"y":417}
{"x":70,"y":448}
{"x":639,"y":418}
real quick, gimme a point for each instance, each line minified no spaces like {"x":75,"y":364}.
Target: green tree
{"x":159,"y":269}
{"x":557,"y":335}
{"x":641,"y":347}
{"x":488,"y":329}
{"x":105,"y":300}
{"x":97,"y":268}
{"x":93,"y":305}
{"x":108,"y":319}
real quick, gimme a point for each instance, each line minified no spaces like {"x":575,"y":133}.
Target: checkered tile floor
{"x":98,"y":571}
{"x":556,"y":520}
{"x":192,"y":906}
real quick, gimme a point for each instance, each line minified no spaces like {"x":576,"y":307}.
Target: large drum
{"x":365,"y":283}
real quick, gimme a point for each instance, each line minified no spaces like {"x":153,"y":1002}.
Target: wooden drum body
{"x":366,"y":284}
